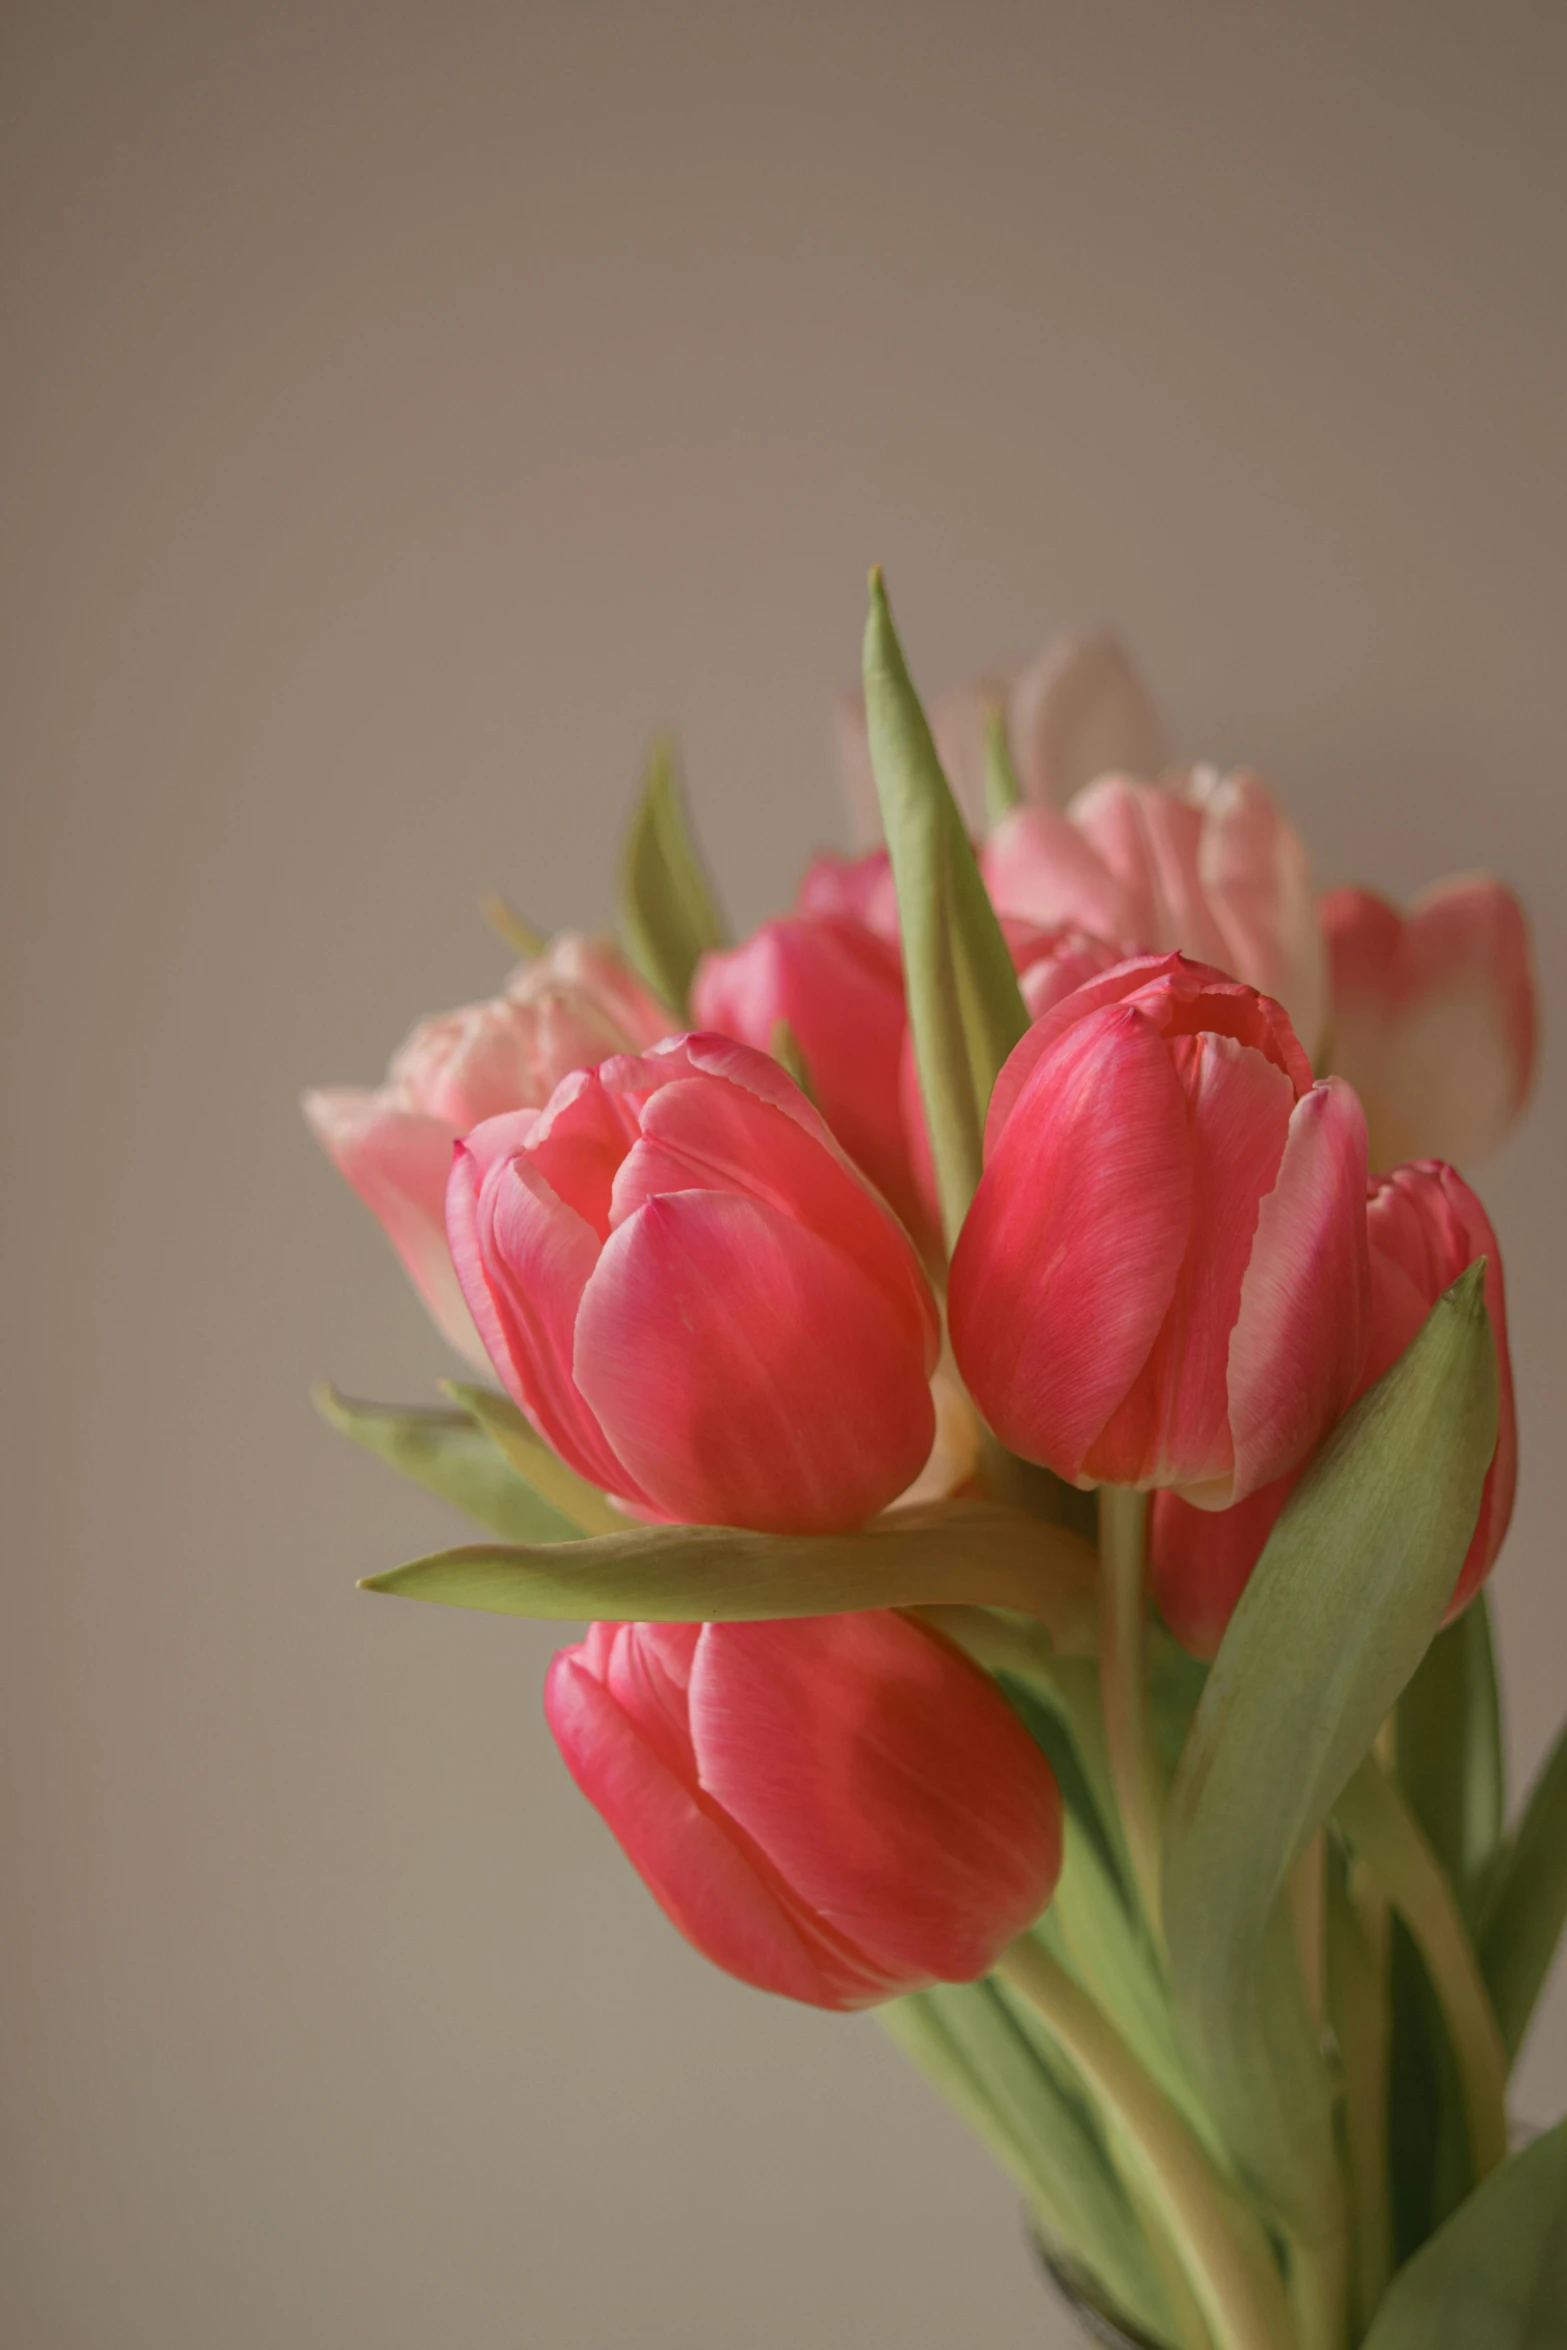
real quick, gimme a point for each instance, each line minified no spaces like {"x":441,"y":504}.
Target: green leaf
{"x":1338,"y":1612}
{"x":668,"y":912}
{"x":569,"y":1496}
{"x":1526,"y":1902}
{"x":1033,"y":2115}
{"x":1495,"y":2277}
{"x":1003,"y":792}
{"x":944,"y":1551}
{"x":965,"y":1010}
{"x":449,"y":1454}
{"x":1449,"y":1752}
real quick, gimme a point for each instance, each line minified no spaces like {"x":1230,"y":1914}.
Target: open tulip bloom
{"x":1004,"y":1365}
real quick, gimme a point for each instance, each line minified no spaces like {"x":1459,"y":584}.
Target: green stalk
{"x":1123,"y":1682}
{"x":1387,"y":1839}
{"x":1222,"y":2246}
{"x":1358,"y":2008}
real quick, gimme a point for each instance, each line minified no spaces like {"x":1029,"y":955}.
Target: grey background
{"x":404,"y":410}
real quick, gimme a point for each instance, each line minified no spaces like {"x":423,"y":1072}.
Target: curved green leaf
{"x":1338,"y":1612}
{"x":565,"y":1493}
{"x":1495,"y":2277}
{"x":449,"y":1454}
{"x":965,"y":1009}
{"x":1449,"y":1751}
{"x":668,"y":912}
{"x":1526,"y":1902}
{"x":948,"y":1550}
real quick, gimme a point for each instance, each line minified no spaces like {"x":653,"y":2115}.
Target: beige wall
{"x":404,"y":408}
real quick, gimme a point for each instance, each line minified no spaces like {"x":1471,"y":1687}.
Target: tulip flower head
{"x":839,"y":986}
{"x":1162,"y":1279}
{"x":837,"y":1808}
{"x":698,"y":1302}
{"x":1434,"y":1018}
{"x":576,"y":1003}
{"x":1207,"y":865}
{"x":1424,"y":1227}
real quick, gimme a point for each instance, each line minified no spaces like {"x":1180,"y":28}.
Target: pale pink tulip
{"x":574,"y":1005}
{"x":837,"y":1808}
{"x":1162,"y":1279}
{"x":1079,"y":709}
{"x":682,"y":1280}
{"x":1425,"y":1227}
{"x":839,"y":988}
{"x":1433,"y":1018}
{"x":1206,"y":864}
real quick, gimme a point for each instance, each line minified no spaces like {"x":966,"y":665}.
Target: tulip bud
{"x":1162,"y":1279}
{"x":1207,"y":865}
{"x":1424,"y":1228}
{"x":1433,"y":1016}
{"x":575,"y":1004}
{"x":700,"y":1305}
{"x":836,"y":1808}
{"x":840,"y":989}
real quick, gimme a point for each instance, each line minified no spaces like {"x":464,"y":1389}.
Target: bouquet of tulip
{"x":1031,"y":1452}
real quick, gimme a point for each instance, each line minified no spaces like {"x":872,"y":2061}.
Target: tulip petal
{"x":1200,"y":1561}
{"x":914,"y":1813}
{"x":1079,"y":710}
{"x":1149,"y":839}
{"x":1255,"y":875}
{"x":1300,"y":1339}
{"x":700,"y":1136}
{"x":1066,"y":1266}
{"x":747,"y":1372}
{"x":524,"y":1258}
{"x":696,"y":1869}
{"x":398,"y":1162}
{"x":1174,"y":1426}
{"x":1040,"y":868}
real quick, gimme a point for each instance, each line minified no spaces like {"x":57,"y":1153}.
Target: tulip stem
{"x":1387,"y":1839}
{"x":1226,"y":2255}
{"x":1123,"y":1686}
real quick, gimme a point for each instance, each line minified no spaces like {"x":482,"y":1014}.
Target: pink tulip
{"x":856,"y":889}
{"x":1050,"y":964}
{"x":683,"y":1282}
{"x":836,"y":1808}
{"x":840,"y":989}
{"x":1162,"y":1279}
{"x":1078,"y":710}
{"x":1433,"y":1016}
{"x":1206,"y":864}
{"x":575,"y":1004}
{"x":1425,"y":1227}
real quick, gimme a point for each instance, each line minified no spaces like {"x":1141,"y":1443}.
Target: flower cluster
{"x":699,"y":1244}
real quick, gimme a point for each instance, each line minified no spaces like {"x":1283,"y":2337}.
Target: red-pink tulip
{"x":837,"y":1808}
{"x":1433,"y":1016}
{"x":575,"y":1004}
{"x":1206,"y":864}
{"x":840,"y":989}
{"x":1162,"y":1279}
{"x":698,"y":1302}
{"x":1049,"y":964}
{"x":1425,"y":1227}
{"x":855,"y":889}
